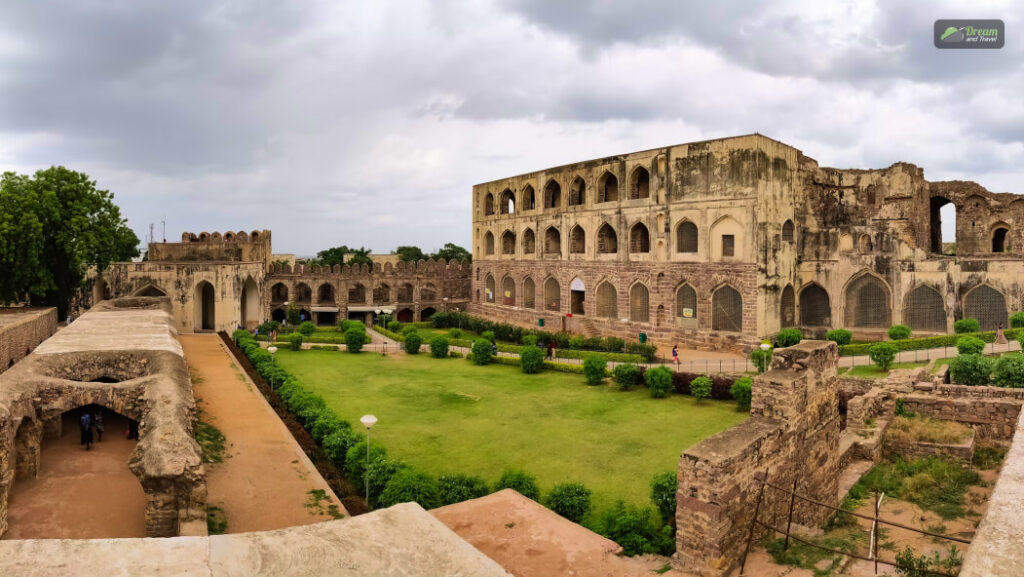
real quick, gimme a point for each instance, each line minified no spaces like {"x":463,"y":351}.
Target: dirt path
{"x":265,"y":481}
{"x":80,"y":494}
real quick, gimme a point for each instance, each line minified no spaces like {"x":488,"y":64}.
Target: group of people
{"x":91,"y":426}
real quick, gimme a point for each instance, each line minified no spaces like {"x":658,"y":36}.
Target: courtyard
{"x":450,"y":416}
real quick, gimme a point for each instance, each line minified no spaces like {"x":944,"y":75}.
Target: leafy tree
{"x":970,"y":346}
{"x":663,"y":495}
{"x":54,"y":225}
{"x":659,"y":381}
{"x":412,"y":343}
{"x":439,"y":347}
{"x":594,"y":369}
{"x":1009,"y":371}
{"x":531,"y":359}
{"x":971,"y":370}
{"x":452,"y":251}
{"x":294,"y":341}
{"x":570,"y":500}
{"x":741,"y":390}
{"x":332,"y":256}
{"x":883,"y":354}
{"x":360,"y":255}
{"x":410,"y":253}
{"x":293,"y":315}
{"x":355,"y":339}
{"x":411,"y":485}
{"x":482,"y":351}
{"x":700,"y":388}
{"x":637,"y":529}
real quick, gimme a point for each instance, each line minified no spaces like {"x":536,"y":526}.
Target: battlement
{"x":431,"y":266}
{"x":229,"y":236}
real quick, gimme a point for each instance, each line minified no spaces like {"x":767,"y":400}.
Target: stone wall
{"x":993,"y":417}
{"x":792,"y":435}
{"x":21,"y":331}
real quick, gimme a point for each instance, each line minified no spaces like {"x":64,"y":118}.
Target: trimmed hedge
{"x":439,"y":347}
{"x":967,"y":325}
{"x":720,"y":384}
{"x":840,"y":337}
{"x":927,"y":342}
{"x":531,"y":359}
{"x":659,"y":381}
{"x":741,"y":390}
{"x":788,"y":337}
{"x":459,"y":488}
{"x":700,"y":388}
{"x":412,"y":343}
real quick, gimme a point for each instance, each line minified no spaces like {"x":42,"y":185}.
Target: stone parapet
{"x":22,"y":330}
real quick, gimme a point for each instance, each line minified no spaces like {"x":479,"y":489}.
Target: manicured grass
{"x":874,"y":372}
{"x":450,"y":416}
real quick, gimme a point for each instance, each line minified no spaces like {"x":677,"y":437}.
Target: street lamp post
{"x":765,"y":347}
{"x":368,"y":421}
{"x":272,"y":350}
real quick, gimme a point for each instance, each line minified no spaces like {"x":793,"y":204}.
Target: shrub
{"x":576,"y":343}
{"x":635,"y":529}
{"x":839,"y":336}
{"x":482,"y":351}
{"x":378,"y":474}
{"x":439,"y":347}
{"x":459,"y":488}
{"x":741,"y":391}
{"x":659,"y":381}
{"x":294,"y":341}
{"x":970,"y":346}
{"x":293,"y":315}
{"x":355,"y":339}
{"x":762,"y":359}
{"x":337,"y":444}
{"x":643,"y":349}
{"x":789,"y":337}
{"x":524,"y":483}
{"x":408,"y":330}
{"x":531,"y":359}
{"x":594,"y":368}
{"x":455,"y":333}
{"x":413,"y":340}
{"x":971,"y":370}
{"x":613,"y":344}
{"x":901,"y":409}
{"x":966,"y":326}
{"x":625,"y":375}
{"x":570,"y":500}
{"x":663,"y":495}
{"x":1009,"y":371}
{"x":355,"y":462}
{"x":899,"y":332}
{"x":883,"y":354}
{"x":410,"y":485}
{"x":307,"y":328}
{"x":529,"y":340}
{"x":1017,"y":320}
{"x":326,"y":423}
{"x":700,"y":388}
{"x":395,"y":326}
{"x":489,"y":335}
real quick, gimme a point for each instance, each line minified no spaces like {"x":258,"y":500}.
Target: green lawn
{"x":450,"y":416}
{"x":874,"y":372}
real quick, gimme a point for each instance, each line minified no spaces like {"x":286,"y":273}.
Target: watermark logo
{"x":969,"y":34}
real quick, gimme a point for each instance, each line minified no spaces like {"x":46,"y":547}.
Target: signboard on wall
{"x":687,"y":313}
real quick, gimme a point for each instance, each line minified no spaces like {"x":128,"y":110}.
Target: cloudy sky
{"x":366,"y":123}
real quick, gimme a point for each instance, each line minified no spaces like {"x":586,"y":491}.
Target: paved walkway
{"x":265,"y":481}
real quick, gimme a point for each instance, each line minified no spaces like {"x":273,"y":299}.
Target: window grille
{"x":988,"y":306}
{"x":529,"y":293}
{"x":815,"y":307}
{"x":727,"y":310}
{"x":686,"y":237}
{"x":639,"y":304}
{"x":728,"y":245}
{"x":607,"y":301}
{"x":923,"y":310}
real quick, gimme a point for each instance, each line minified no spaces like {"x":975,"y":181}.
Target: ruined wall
{"x":792,"y":434}
{"x":21,"y":331}
{"x":991,"y":411}
{"x":230,"y":246}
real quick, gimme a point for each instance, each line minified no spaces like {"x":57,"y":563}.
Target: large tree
{"x":410,"y":253}
{"x":54,"y":225}
{"x":332,"y":256}
{"x":360,"y":255}
{"x":452,"y":251}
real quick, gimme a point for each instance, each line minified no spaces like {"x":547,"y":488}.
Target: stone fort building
{"x":720,"y":243}
{"x":220,"y":281}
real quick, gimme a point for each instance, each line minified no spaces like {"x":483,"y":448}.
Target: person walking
{"x":86,"y":423}
{"x":551,"y":350}
{"x":97,"y":420}
{"x":675,"y":355}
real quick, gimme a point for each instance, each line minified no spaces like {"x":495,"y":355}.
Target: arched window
{"x":428,"y":292}
{"x":508,"y":291}
{"x":727,"y":310}
{"x":508,"y":242}
{"x":607,"y":241}
{"x":489,"y":243}
{"x":787,"y":231}
{"x":726,"y":238}
{"x":278,"y":293}
{"x":639,"y":303}
{"x":640,"y":184}
{"x":867,"y":303}
{"x":686,"y":237}
{"x":787,"y":307}
{"x":923,"y":310}
{"x":552,"y":295}
{"x":529,"y":293}
{"x":529,"y":198}
{"x":686,"y":306}
{"x":357,"y":293}
{"x":607,"y":188}
{"x":639,"y":239}
{"x":865,"y":244}
{"x":488,"y":204}
{"x":508,"y":202}
{"x":607,"y":301}
{"x":987,"y":305}
{"x":325,"y":294}
{"x":815,"y":307}
{"x":999,"y":239}
{"x":529,"y":242}
{"x":382,"y":293}
{"x":941,"y":207}
{"x":489,"y":287}
{"x":577,"y":240}
{"x":577,"y":192}
{"x":303,"y":293}
{"x":552,"y":195}
{"x":552,"y":241}
{"x":405,"y":291}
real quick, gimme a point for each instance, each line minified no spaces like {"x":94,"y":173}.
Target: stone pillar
{"x":53,"y":427}
{"x":27,"y":441}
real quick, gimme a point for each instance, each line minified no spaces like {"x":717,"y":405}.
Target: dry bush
{"x":926,"y":430}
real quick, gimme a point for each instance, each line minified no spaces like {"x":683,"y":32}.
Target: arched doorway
{"x":577,"y":296}
{"x":100,"y":291}
{"x":250,"y":304}
{"x":404,"y":316}
{"x":279,"y":315}
{"x":204,"y":316}
{"x":426,"y":313}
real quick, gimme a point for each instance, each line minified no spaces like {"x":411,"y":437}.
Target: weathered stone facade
{"x":21,"y":331}
{"x":792,"y":435}
{"x":826,"y":248}
{"x":222,"y":281}
{"x":122,"y":355}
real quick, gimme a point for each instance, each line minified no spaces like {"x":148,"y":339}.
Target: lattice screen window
{"x":686,"y":237}
{"x":640,"y":187}
{"x":988,"y":306}
{"x":489,"y":286}
{"x":607,"y":301}
{"x":577,"y":192}
{"x":508,"y":291}
{"x":552,"y":241}
{"x":607,"y":241}
{"x":608,"y":188}
{"x":508,"y":242}
{"x":728,"y":245}
{"x":639,"y":304}
{"x":382,"y":293}
{"x":787,"y":307}
{"x":428,"y":293}
{"x":686,"y":303}
{"x":552,"y":195}
{"x":867,"y":303}
{"x":552,"y":295}
{"x":279,"y":293}
{"x":727,"y":310}
{"x":815,"y":307}
{"x":639,"y":239}
{"x":489,"y":243}
{"x":529,"y":242}
{"x":357,"y":294}
{"x":325,"y":294}
{"x":303,"y":293}
{"x":923,"y":310}
{"x":787,"y":231}
{"x":529,"y":293}
{"x":577,"y":240}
